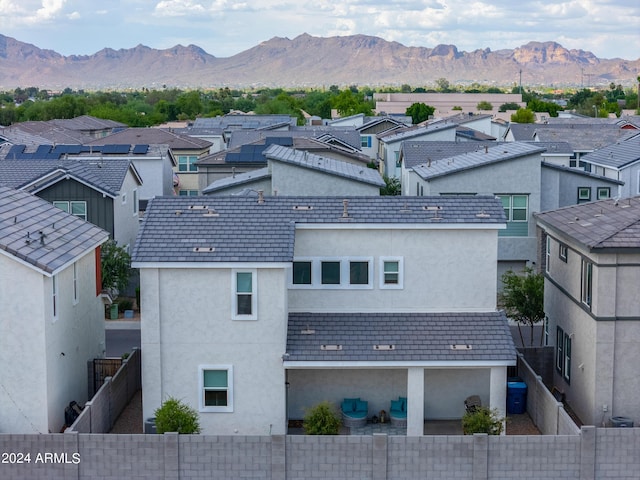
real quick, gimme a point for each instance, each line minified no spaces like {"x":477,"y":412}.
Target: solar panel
{"x":140,"y":149}
{"x":42,"y":150}
{"x":123,"y":148}
{"x":15,"y":152}
{"x":284,"y":141}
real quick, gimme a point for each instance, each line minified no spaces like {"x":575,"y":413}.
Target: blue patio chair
{"x":354,"y":412}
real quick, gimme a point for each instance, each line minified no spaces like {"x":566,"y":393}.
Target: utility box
{"x":516,"y":397}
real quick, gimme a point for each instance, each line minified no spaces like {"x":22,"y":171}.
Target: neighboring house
{"x":390,"y":143}
{"x":52,"y":318}
{"x":255,"y":309}
{"x":444,"y":103}
{"x":592,"y":277}
{"x":250,"y":156}
{"x":618,"y":161}
{"x":510,"y":171}
{"x":185,"y":150}
{"x":65,"y":131}
{"x":154,"y":163}
{"x":369,"y":133}
{"x":295,"y":172}
{"x":104,"y":193}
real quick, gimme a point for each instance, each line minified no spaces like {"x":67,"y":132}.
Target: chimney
{"x":345,"y":205}
{"x":486,"y":149}
{"x":260,"y":196}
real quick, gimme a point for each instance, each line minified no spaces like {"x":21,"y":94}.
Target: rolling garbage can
{"x":516,"y":397}
{"x":114,"y":311}
{"x":621,"y":422}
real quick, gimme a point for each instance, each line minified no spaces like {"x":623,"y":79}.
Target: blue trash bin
{"x":516,"y":397}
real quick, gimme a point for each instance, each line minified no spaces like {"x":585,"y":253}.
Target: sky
{"x":223,"y":28}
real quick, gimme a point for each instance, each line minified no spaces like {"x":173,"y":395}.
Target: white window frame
{"x":582,"y":198}
{"x":566,"y":364}
{"x":314,"y":266}
{"x":547,"y":265}
{"x":188,"y":193}
{"x":563,"y":252}
{"x":67,"y":206}
{"x":345,"y":274}
{"x":76,"y":292}
{"x":510,"y":209}
{"x":189,"y":162}
{"x":54,"y":297}
{"x":135,"y":203}
{"x":559,"y":349}
{"x":599,"y":191}
{"x":201,"y":389}
{"x":381,"y":273}
{"x":586,"y":283}
{"x":235,"y":293}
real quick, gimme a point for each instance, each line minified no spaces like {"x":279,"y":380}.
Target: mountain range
{"x":308,"y":61}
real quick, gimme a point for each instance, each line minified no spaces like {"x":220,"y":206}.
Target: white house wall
{"x":156,"y":175}
{"x":126,"y":220}
{"x":23,"y":390}
{"x":187,"y":323}
{"x":441,"y":272}
{"x":292,"y":180}
{"x":75,"y":338}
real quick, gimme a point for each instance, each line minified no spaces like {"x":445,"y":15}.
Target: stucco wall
{"x":126,"y":222}
{"x":192,"y":326}
{"x":441,"y":272}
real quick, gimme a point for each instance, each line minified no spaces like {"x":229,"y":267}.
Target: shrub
{"x":482,"y":420}
{"x":322,"y":419}
{"x":175,"y":416}
{"x":124,"y":304}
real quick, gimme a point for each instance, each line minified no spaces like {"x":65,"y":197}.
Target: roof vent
{"x":386,"y":347}
{"x":431,"y":208}
{"x":198,"y":207}
{"x":482,"y":214}
{"x":308,"y":331}
{"x":461,"y":346}
{"x":331,"y":347}
{"x":302,"y":207}
{"x":260,"y":196}
{"x":210,"y":213}
{"x":345,"y":208}
{"x":203,"y":249}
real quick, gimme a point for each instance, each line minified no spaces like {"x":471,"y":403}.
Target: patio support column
{"x":415,"y":402}
{"x":498,"y":392}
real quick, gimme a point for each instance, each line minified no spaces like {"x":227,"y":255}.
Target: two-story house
{"x":592,"y":303}
{"x":52,"y":317}
{"x":254,"y":309}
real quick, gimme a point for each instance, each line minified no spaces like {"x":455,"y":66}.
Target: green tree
{"x":522,"y":298}
{"x":116,"y":267}
{"x":176,"y":416}
{"x":348,"y":103}
{"x":443,"y":85}
{"x":508,"y":106}
{"x":419,"y":112}
{"x":392,"y":186}
{"x":484,"y":105}
{"x":523,"y":115}
{"x":322,"y":419}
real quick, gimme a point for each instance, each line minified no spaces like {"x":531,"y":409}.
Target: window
{"x":391,"y":273}
{"x":216,"y":388}
{"x":548,"y":255}
{"x":365,"y":141}
{"x":135,"y":203}
{"x":397,"y":155}
{"x":584,"y":194}
{"x":54,"y":296}
{"x":359,"y":273}
{"x":187,"y":163}
{"x":302,"y":273}
{"x":604,"y":193}
{"x":587,"y":282}
{"x":79,"y":209}
{"x":516,"y":211}
{"x":559,"y":349}
{"x":188,"y":193}
{"x":563,"y":252}
{"x":330,"y":273}
{"x":546,"y":330}
{"x":566,"y":368}
{"x":75,"y":283}
{"x":244,"y":295}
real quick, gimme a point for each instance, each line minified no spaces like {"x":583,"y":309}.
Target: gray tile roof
{"x":403,"y":134}
{"x":359,"y":173}
{"x":605,"y":224}
{"x":347,"y":135}
{"x":240,"y":229}
{"x":560,"y":148}
{"x":416,"y":337}
{"x":419,"y":152}
{"x":471,"y":134}
{"x":23,"y":220}
{"x":38,"y":133}
{"x":617,"y":155}
{"x":581,"y":173}
{"x":106,"y":176}
{"x":583,"y":137}
{"x":491,"y":153}
{"x":155,"y":136}
{"x":238,"y":179}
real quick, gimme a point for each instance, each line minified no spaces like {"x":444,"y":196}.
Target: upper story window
{"x":188,"y":193}
{"x":587,"y":283}
{"x":187,"y":163}
{"x":563,"y":354}
{"x":563,"y":252}
{"x":54,"y":297}
{"x":124,"y":198}
{"x":76,"y":292}
{"x":584,"y":194}
{"x":391,"y":272}
{"x":547,"y":265}
{"x":244,"y":302}
{"x":302,"y":273}
{"x":365,"y":141}
{"x":516,"y":211}
{"x":216,"y":388}
{"x":604,"y":193}
{"x":135,"y":203}
{"x":77,"y":208}
{"x":359,"y":273}
{"x":332,"y":273}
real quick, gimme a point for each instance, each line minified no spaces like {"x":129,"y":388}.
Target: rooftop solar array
{"x":251,"y":153}
{"x":55,"y":152}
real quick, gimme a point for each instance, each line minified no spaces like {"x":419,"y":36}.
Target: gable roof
{"x":34,"y":232}
{"x":477,"y":158}
{"x":359,"y":173}
{"x":423,"y":338}
{"x":602,"y":225}
{"x":34,"y":175}
{"x":238,"y":179}
{"x":402,"y":134}
{"x":243,"y":229}
{"x":583,"y":136}
{"x":417,"y":152}
{"x":617,"y":155}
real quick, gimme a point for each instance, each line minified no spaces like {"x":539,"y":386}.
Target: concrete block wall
{"x":617,"y":453}
{"x":566,"y":425}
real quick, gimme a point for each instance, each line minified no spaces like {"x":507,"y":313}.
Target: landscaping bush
{"x":482,"y":420}
{"x":124,"y":304}
{"x":322,"y":419}
{"x":175,"y":416}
